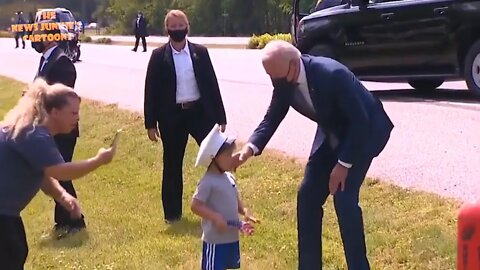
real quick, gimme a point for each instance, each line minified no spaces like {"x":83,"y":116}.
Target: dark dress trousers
{"x":60,"y":69}
{"x":353,"y":128}
{"x":176,"y":121}
{"x":19,"y":35}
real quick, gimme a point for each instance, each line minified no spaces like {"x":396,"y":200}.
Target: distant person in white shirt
{"x":182,"y":98}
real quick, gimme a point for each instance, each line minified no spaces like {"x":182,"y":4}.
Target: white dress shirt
{"x":303,"y":88}
{"x":187,"y":88}
{"x":46,"y":55}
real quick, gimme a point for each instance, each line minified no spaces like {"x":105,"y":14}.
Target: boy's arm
{"x":242,"y":210}
{"x":199,"y":208}
{"x":241,"y":207}
{"x":200,"y":196}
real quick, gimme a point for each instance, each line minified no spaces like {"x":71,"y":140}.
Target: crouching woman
{"x":30,"y":161}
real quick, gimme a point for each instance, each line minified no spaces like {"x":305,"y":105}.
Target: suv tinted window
{"x":64,"y":17}
{"x":307,"y":6}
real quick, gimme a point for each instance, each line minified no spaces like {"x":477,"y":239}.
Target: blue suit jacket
{"x":343,"y":107}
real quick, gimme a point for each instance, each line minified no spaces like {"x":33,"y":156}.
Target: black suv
{"x":422,"y":42}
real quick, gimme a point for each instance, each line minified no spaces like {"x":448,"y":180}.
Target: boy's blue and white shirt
{"x":219,"y":193}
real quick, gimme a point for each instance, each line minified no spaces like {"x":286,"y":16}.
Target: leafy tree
{"x":207,"y":17}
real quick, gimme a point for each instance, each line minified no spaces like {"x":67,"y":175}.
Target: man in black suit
{"x":56,"y":67}
{"x":353,"y":128}
{"x":19,"y":35}
{"x":182,"y":97}
{"x":140,"y":31}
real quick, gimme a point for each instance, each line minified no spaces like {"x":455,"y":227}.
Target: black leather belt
{"x":187,"y":105}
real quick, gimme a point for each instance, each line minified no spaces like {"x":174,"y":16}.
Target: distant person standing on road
{"x":140,"y":31}
{"x":30,"y":161}
{"x":182,"y":97}
{"x":19,"y":35}
{"x":56,"y":67}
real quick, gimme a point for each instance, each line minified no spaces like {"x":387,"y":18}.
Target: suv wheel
{"x":426,"y":85}
{"x":472,"y":69}
{"x":321,"y":50}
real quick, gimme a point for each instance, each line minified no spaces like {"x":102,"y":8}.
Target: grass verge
{"x":6,"y":34}
{"x":121,"y":202}
{"x":93,"y":40}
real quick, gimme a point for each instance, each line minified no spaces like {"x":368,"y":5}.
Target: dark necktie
{"x":42,"y":59}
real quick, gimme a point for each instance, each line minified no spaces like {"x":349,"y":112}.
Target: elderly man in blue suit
{"x":353,"y":128}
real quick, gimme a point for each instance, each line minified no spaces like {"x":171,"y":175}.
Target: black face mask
{"x":38,"y":46}
{"x":178,"y":35}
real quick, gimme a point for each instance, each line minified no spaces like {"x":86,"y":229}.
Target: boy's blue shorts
{"x":221,"y":256}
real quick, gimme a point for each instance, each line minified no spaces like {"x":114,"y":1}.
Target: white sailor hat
{"x":211,"y":145}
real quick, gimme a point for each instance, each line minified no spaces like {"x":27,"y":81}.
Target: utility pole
{"x":224,"y":15}
{"x":84,"y":11}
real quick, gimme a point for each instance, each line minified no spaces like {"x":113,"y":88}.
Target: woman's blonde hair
{"x":37,"y":102}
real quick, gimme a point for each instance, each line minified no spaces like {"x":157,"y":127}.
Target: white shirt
{"x":187,"y":88}
{"x":303,"y":88}
{"x":46,"y":55}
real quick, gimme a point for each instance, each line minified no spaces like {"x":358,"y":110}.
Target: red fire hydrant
{"x":468,"y":237}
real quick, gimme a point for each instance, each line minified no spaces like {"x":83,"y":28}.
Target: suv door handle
{"x":440,"y":10}
{"x":387,"y":16}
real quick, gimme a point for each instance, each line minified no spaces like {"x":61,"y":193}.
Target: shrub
{"x":103,"y":41}
{"x":258,"y":42}
{"x":6,"y":34}
{"x":84,"y":38}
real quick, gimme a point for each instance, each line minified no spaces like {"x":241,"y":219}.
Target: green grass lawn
{"x":121,"y":202}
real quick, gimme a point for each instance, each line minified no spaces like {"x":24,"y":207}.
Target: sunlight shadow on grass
{"x":73,"y":241}
{"x":185,"y":227}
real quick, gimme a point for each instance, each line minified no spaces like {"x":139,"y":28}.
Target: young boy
{"x":217,"y":201}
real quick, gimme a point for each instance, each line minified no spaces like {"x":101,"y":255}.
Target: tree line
{"x":207,"y":17}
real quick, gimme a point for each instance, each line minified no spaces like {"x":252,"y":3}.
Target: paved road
{"x":201,"y":40}
{"x":434,"y":147}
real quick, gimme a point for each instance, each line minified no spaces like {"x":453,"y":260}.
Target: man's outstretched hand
{"x":242,"y":156}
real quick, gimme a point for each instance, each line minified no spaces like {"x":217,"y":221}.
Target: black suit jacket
{"x":141,"y":28}
{"x":59,"y":69}
{"x":343,"y":107}
{"x":161,"y":86}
